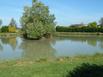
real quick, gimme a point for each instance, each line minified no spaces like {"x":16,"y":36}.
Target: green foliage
{"x":34,"y":1}
{"x":92,"y":24}
{"x":79,"y":29}
{"x":87,"y":70}
{"x":37,"y":21}
{"x":34,"y":30}
{"x":12,"y":26}
{"x":4,"y":29}
{"x":91,"y":27}
{"x":11,"y":29}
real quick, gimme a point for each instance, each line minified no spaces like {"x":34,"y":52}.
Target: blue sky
{"x":66,"y":11}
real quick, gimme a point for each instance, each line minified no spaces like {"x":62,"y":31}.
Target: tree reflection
{"x":74,"y":39}
{"x":10,"y":41}
{"x":1,"y":46}
{"x":36,"y":49}
{"x":101,"y":43}
{"x":92,"y":42}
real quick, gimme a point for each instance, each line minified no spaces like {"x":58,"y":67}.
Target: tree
{"x":12,"y":26}
{"x":37,"y":21}
{"x":101,"y":22}
{"x":12,"y":29}
{"x":13,"y":22}
{"x":4,"y":29}
{"x":33,"y":1}
{"x":0,"y":22}
{"x":92,"y":24}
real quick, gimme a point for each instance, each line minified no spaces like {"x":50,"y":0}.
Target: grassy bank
{"x":3,"y":35}
{"x":58,"y":34}
{"x":46,"y":68}
{"x":82,"y":34}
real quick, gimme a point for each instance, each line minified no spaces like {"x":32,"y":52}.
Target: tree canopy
{"x":37,"y":20}
{"x":92,"y":24}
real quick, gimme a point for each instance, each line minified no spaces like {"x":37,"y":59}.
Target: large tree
{"x":37,"y":21}
{"x":92,"y":24}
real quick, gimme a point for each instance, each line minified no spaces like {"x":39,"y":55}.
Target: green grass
{"x":45,"y":68}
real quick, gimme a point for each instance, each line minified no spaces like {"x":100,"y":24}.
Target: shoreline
{"x":9,"y":35}
{"x":57,"y":34}
{"x":78,"y":34}
{"x":56,"y":59}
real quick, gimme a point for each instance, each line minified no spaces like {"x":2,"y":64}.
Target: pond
{"x":19,"y":48}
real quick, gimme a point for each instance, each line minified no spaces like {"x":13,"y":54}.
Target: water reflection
{"x":19,"y":48}
{"x":9,"y":49}
{"x":38,"y":49}
{"x":1,"y":47}
{"x":73,"y":46}
{"x":92,"y":41}
{"x":10,"y":41}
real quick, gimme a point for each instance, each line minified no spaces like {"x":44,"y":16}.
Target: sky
{"x":66,"y":11}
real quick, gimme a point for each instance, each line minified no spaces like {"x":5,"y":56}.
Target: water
{"x":19,"y":48}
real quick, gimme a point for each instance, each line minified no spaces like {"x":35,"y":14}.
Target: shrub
{"x":78,"y":29}
{"x":4,"y":29}
{"x":12,"y":29}
{"x":87,"y":70}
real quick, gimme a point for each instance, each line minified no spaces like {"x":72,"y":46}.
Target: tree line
{"x":11,"y":28}
{"x":38,"y":22}
{"x":90,"y":27}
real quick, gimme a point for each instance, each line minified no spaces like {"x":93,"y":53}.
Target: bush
{"x":4,"y":29}
{"x":78,"y":29}
{"x":87,"y":70}
{"x":12,"y":29}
